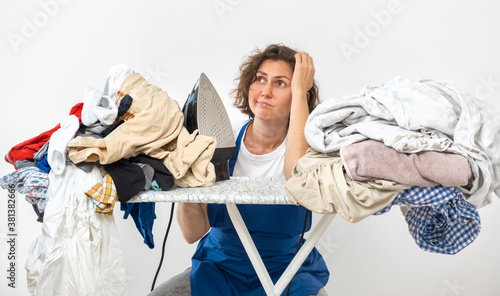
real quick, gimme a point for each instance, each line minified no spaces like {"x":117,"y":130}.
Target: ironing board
{"x":246,"y":190}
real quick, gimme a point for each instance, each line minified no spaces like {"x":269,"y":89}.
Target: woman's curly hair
{"x":248,"y":72}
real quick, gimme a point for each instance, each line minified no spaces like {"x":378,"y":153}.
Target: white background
{"x":49,"y":52}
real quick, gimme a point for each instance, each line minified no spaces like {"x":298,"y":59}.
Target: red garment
{"x":28,"y":148}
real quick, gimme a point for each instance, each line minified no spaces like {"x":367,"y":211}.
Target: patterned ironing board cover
{"x":236,"y":190}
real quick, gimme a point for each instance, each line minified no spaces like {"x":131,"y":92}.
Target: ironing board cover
{"x":236,"y":190}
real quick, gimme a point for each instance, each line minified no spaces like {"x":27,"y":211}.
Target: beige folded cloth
{"x":320,"y":184}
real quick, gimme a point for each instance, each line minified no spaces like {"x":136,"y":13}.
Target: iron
{"x":205,"y":112}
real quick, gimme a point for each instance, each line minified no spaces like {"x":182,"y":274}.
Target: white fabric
{"x":412,"y":116}
{"x":98,"y":108}
{"x":116,"y":76}
{"x":339,"y":122}
{"x":56,"y":152}
{"x":252,"y":165}
{"x":79,"y":251}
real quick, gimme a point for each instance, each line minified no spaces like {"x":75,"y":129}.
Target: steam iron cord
{"x":163,"y":246}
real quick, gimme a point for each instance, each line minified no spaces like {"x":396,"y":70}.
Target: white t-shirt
{"x":251,"y":165}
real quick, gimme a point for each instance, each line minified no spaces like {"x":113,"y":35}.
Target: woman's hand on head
{"x":302,"y":82}
{"x":303,"y":74}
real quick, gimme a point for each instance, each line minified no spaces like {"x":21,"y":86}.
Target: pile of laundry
{"x":30,"y":158}
{"x":116,"y":143}
{"x":427,"y":146}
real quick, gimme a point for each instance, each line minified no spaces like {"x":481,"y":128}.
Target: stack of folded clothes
{"x":426,"y":146}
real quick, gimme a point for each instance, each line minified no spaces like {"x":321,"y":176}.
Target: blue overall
{"x":220,"y":265}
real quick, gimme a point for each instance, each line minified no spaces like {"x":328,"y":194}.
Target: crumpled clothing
{"x":153,"y":126}
{"x":43,"y":164}
{"x":40,"y":154}
{"x":439,"y":219}
{"x":320,"y":184}
{"x":98,"y":108}
{"x":135,"y":174}
{"x":143,"y":214}
{"x":413,"y":116}
{"x":103,"y":194}
{"x":28,"y":148}
{"x":56,"y":152}
{"x":116,"y":76}
{"x":78,"y":252}
{"x":34,"y":193}
{"x":30,"y":181}
{"x":24,"y":163}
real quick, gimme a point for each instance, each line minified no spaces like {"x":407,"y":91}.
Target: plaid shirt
{"x":104,"y":195}
{"x":439,"y":218}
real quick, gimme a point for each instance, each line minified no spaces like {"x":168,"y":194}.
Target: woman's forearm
{"x":296,"y":145}
{"x":302,"y":81}
{"x":193,"y":221}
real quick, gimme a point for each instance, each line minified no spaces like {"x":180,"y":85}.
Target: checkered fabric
{"x":439,"y":218}
{"x":104,"y":195}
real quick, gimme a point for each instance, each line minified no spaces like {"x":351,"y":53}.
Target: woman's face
{"x":270,"y":95}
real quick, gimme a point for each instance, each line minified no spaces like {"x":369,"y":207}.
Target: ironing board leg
{"x":256,"y":260}
{"x":302,"y":254}
{"x":250,"y":248}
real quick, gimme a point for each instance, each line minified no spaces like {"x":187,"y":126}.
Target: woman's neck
{"x":263,"y":137}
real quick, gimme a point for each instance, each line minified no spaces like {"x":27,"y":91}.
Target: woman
{"x":276,"y":90}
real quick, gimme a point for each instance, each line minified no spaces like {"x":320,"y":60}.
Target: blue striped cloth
{"x":439,"y":219}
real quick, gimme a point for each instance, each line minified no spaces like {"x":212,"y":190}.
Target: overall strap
{"x":232,"y":161}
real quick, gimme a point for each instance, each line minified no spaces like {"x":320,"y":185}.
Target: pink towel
{"x":372,"y":159}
